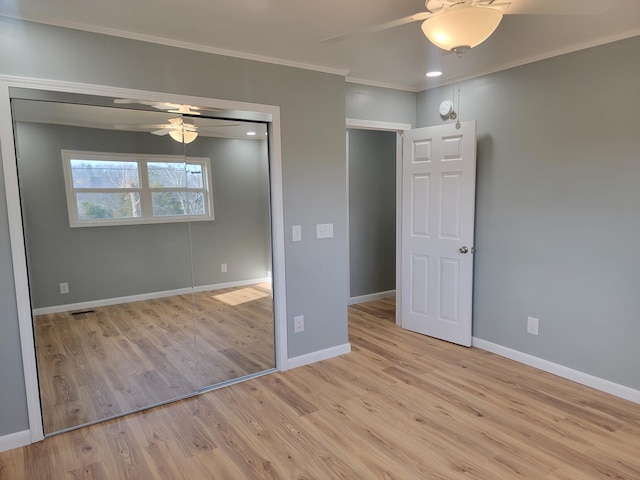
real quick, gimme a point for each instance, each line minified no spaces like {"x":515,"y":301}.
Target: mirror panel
{"x":235,"y":324}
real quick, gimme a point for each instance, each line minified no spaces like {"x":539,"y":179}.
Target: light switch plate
{"x":296,"y":233}
{"x":324,"y":230}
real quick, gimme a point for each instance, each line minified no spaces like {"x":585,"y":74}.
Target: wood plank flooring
{"x":116,"y":359}
{"x":400,"y":406}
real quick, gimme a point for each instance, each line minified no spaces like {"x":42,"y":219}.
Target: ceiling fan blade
{"x":164,"y":131}
{"x":126,"y":101}
{"x":141,"y":126}
{"x":185,"y":110}
{"x":555,"y":7}
{"x":131,"y":101}
{"x":416,"y":17}
{"x":168,"y":107}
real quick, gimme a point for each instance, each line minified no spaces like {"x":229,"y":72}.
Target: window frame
{"x":145,"y":190}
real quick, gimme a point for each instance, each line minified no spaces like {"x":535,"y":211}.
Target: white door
{"x":438,"y":202}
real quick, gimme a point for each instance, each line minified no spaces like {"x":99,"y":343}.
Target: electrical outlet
{"x":298,"y":324}
{"x":64,"y":288}
{"x":223,"y":267}
{"x":532,"y":325}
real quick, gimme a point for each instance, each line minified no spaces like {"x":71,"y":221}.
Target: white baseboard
{"x":15,"y":440}
{"x":319,"y":355}
{"x":145,"y":296}
{"x":371,"y":297}
{"x":560,"y":370}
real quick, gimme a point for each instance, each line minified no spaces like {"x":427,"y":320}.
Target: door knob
{"x":464,"y":249}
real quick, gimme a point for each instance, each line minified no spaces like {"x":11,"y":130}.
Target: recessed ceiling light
{"x":435,"y":73}
{"x":251,"y":134}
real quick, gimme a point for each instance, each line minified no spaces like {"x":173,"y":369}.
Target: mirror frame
{"x":16,"y":232}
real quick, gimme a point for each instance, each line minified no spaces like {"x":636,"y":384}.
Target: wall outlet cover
{"x":532,"y":325}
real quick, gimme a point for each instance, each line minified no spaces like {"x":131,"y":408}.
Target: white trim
{"x":375,"y":125}
{"x":375,"y":83}
{"x":348,"y":217}
{"x":278,"y":241}
{"x":103,"y":302}
{"x":14,"y":213}
{"x":560,"y":370}
{"x":198,"y":47}
{"x":19,"y":263}
{"x":318,"y":356}
{"x":147,"y":95}
{"x":399,"y":161}
{"x":15,"y":440}
{"x":371,"y":297}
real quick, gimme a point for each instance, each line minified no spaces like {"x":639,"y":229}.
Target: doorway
{"x":373,"y":158}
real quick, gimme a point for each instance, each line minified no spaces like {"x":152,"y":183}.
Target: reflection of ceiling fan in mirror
{"x":168,"y":107}
{"x":182,"y":130}
{"x":459,"y":25}
{"x":179,"y":129}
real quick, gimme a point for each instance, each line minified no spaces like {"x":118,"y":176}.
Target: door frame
{"x":16,"y":232}
{"x":399,"y":129}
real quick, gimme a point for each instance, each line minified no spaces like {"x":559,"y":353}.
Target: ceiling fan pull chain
{"x":458,"y":60}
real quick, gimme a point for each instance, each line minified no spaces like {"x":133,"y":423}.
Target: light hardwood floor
{"x":400,"y":406}
{"x":110,"y":360}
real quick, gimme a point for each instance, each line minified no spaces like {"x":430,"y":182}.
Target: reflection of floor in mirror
{"x":105,"y":361}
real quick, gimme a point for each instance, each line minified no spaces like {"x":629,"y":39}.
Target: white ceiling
{"x":290,"y":32}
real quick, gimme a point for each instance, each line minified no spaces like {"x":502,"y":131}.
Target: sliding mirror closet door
{"x":232,"y":260}
{"x":147,"y":228}
{"x":109,"y":258}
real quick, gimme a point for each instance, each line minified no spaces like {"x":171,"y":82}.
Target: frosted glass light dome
{"x":461,"y":27}
{"x":183,"y":136}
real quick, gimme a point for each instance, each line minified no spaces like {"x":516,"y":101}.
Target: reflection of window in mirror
{"x":122,"y":189}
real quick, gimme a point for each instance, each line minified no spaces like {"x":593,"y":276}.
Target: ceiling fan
{"x":459,"y":25}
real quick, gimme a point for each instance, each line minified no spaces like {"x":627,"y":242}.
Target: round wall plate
{"x":446,"y":108}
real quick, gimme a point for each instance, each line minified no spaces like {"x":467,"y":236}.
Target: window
{"x":123,"y":189}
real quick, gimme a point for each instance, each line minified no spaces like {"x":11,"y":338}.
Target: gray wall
{"x":312,"y":110}
{"x":365,"y":102}
{"x":115,"y":261}
{"x":557,"y":222}
{"x":372,"y":211}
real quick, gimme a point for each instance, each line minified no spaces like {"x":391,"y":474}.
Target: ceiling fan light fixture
{"x":181,"y":136}
{"x":461,"y":27}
